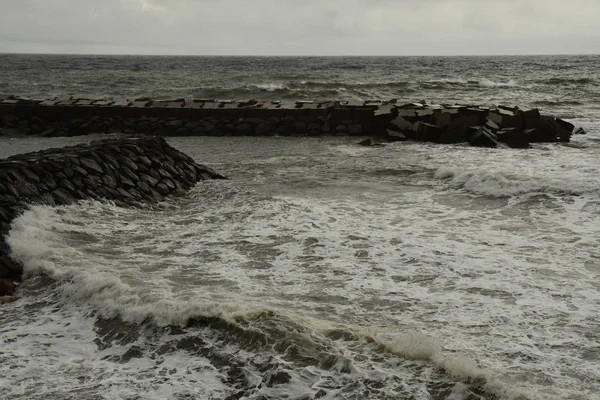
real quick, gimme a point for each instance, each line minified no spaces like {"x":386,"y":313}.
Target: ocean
{"x":321,"y":269}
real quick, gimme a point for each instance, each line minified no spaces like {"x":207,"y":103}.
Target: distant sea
{"x":321,"y":269}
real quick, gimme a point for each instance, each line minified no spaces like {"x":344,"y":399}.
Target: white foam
{"x":506,"y":284}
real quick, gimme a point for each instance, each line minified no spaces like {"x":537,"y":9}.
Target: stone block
{"x":486,"y":135}
{"x":341,"y":114}
{"x":515,"y":138}
{"x":362,"y":115}
{"x":394,"y":136}
{"x":426,"y":132}
{"x":399,"y":124}
{"x":442,"y":118}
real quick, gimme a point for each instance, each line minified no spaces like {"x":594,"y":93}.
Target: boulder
{"x":515,"y":138}
{"x":394,"y":136}
{"x":7,"y":287}
{"x":486,"y":135}
{"x":400,"y":124}
{"x":426,"y":132}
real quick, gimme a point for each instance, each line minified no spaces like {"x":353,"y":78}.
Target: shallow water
{"x":321,"y":269}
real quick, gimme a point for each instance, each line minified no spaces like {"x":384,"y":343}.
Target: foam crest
{"x":499,"y":184}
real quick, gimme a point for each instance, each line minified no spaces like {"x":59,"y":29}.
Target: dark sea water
{"x":321,"y":269}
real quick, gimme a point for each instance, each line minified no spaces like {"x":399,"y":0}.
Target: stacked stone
{"x":126,"y":171}
{"x":483,"y":127}
{"x":208,"y":117}
{"x":167,"y":127}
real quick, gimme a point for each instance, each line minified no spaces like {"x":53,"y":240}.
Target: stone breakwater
{"x":125,"y":171}
{"x":391,"y":120}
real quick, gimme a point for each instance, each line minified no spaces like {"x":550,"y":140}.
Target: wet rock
{"x":394,"y":136}
{"x":143,"y":186}
{"x":91,"y":165}
{"x":355,"y":130}
{"x":148,"y":179}
{"x":110,"y":181}
{"x":514,"y":137}
{"x":7,"y":287}
{"x":400,"y":124}
{"x":129,"y":174}
{"x":486,"y":135}
{"x":426,"y":132}
{"x":62,"y":197}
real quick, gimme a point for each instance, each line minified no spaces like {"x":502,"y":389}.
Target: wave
{"x":566,"y":81}
{"x":505,"y":185}
{"x":259,"y":335}
{"x":558,"y":103}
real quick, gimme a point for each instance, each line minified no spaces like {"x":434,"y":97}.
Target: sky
{"x":300,"y":27}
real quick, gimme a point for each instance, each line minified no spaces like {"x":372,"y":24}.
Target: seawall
{"x":126,"y":171}
{"x":480,"y":126}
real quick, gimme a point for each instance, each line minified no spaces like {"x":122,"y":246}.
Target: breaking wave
{"x":498,"y":184}
{"x":231,"y":335}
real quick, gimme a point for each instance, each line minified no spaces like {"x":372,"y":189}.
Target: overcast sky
{"x":301,"y":27}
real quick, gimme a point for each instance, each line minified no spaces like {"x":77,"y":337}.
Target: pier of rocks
{"x":389,"y":120}
{"x":131,"y":171}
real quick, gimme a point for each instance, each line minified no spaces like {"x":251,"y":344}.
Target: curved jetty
{"x":126,"y":171}
{"x":391,"y":120}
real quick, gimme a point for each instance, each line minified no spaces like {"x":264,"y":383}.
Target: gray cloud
{"x":369,"y":27}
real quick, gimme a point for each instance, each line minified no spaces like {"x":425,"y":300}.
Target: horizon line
{"x":298,"y":55}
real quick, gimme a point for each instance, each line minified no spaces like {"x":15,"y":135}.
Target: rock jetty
{"x":125,"y":171}
{"x":391,"y":120}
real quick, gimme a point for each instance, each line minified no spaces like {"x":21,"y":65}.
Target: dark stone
{"x":68,"y":186}
{"x":91,"y":165}
{"x":400,"y":124}
{"x":125,"y":194}
{"x":11,"y":190}
{"x":264,"y":129}
{"x":62,"y":197}
{"x":135,"y":193}
{"x":355,"y":130}
{"x":7,"y":287}
{"x":164,"y":174}
{"x":126,"y":162}
{"x":79,"y":171}
{"x":128,"y":173}
{"x":91,"y":193}
{"x":170,"y":183}
{"x":162,"y":188}
{"x":148,"y":179}
{"x":145,"y":160}
{"x":144,"y":187}
{"x":110,"y":181}
{"x":514,"y":137}
{"x":30,"y":175}
{"x":442,"y":118}
{"x":393,"y":136}
{"x":126,"y":181}
{"x":426,"y":132}
{"x":154,"y":173}
{"x":485,"y":136}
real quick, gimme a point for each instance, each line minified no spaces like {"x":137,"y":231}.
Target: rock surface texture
{"x":126,"y":171}
{"x":391,"y":120}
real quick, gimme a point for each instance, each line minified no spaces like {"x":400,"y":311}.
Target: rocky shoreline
{"x":388,"y":120}
{"x":127,"y":171}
